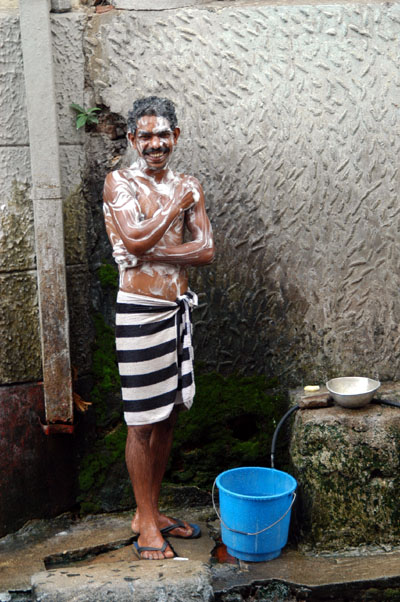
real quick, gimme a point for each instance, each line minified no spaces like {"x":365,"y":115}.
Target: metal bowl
{"x":352,"y":391}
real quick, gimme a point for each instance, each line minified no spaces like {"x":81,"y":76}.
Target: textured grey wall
{"x":290,"y":119}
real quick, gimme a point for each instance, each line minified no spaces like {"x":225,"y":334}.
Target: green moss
{"x":392,"y":594}
{"x":104,"y":367}
{"x":96,"y":466}
{"x":349,"y":487}
{"x":105,"y":372}
{"x":272,"y":592}
{"x":108,"y":276}
{"x":372,"y":594}
{"x":108,"y":450}
{"x":230,"y":424}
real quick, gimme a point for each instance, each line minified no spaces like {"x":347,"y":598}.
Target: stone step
{"x":116,"y":574}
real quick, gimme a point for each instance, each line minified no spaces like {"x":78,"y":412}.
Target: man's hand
{"x":187,"y":194}
{"x":139,"y":235}
{"x":199,"y":250}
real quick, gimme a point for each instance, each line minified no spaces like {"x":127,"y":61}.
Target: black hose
{"x":274,"y":438}
{"x":387,"y":402}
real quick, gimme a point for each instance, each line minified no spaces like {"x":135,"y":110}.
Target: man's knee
{"x":143,"y":432}
{"x":140,"y":432}
{"x":169,"y":423}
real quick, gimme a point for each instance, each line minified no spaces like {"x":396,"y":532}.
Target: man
{"x":147,"y":208}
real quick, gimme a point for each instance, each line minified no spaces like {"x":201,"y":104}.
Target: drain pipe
{"x":48,"y":213}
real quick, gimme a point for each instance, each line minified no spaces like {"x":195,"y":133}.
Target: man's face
{"x":154,"y":141}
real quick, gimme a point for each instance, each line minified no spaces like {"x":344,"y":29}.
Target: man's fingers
{"x":187,"y":200}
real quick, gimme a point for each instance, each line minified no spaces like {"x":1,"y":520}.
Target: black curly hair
{"x":152,"y":105}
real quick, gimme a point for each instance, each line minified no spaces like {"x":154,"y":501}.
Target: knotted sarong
{"x":155,"y":355}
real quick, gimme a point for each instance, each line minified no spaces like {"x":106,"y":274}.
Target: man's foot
{"x":182,"y":530}
{"x":170,"y":527}
{"x":135,"y":525}
{"x":152,"y":553}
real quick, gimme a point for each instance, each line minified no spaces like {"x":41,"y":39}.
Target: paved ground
{"x":91,"y":560}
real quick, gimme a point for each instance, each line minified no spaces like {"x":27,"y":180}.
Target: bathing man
{"x":147,"y":208}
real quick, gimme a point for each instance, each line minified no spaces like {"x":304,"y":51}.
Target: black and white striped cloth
{"x":155,"y":355}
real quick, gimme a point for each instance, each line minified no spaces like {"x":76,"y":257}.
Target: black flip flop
{"x":167,"y":530}
{"x":139,"y":549}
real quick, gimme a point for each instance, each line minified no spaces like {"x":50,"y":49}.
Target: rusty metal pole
{"x":48,"y":212}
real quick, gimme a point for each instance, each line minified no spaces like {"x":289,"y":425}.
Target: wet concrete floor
{"x":100,"y":546}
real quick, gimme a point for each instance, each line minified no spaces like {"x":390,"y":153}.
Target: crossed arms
{"x":141,"y":236}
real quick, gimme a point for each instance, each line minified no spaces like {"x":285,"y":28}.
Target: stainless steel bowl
{"x":352,"y":391}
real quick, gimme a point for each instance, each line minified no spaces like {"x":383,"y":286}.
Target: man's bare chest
{"x":151,"y":197}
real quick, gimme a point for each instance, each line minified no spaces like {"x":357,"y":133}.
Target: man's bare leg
{"x":160,"y":449}
{"x":140,"y":465}
{"x":164,"y":434}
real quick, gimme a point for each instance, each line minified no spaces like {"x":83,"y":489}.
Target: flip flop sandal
{"x":139,"y":549}
{"x":167,"y":530}
{"x":178,"y":523}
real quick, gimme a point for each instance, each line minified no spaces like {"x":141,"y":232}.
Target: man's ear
{"x":132,"y":139}
{"x":176,"y":134}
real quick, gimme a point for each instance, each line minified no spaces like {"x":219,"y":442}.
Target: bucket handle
{"x":257,"y":532}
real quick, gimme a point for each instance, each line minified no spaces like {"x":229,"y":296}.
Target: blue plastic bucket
{"x":255,"y":506}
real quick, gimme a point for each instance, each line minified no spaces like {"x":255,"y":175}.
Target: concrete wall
{"x":20,"y":357}
{"x":13,"y":5}
{"x":38,"y":472}
{"x":290,"y":119}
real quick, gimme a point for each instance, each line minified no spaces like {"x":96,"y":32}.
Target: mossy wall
{"x":298,"y":214}
{"x":20,"y":354}
{"x":347,"y":463}
{"x":230,"y":424}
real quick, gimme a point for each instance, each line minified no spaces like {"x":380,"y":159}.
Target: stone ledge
{"x":181,"y":581}
{"x":347,"y":463}
{"x":119,"y":576}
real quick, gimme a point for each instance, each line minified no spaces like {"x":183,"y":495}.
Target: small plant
{"x":84,"y":116}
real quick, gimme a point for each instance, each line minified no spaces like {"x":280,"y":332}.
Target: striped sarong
{"x":155,"y":355}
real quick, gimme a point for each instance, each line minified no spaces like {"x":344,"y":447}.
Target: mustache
{"x":163,"y":149}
